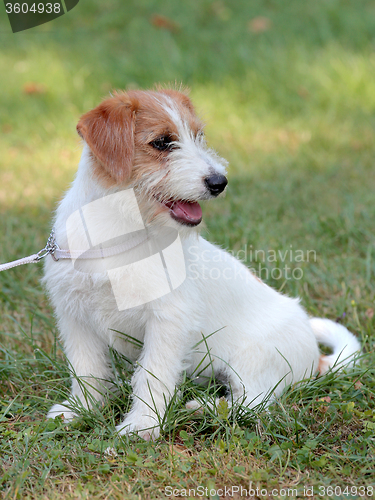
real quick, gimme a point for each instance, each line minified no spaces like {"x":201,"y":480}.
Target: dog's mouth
{"x":188,"y":213}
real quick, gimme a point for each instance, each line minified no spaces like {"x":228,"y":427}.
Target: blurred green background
{"x":282,"y":84}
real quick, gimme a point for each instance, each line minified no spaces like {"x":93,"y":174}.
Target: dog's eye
{"x":163,"y":143}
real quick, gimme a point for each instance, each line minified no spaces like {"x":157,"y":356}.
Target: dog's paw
{"x":62,"y":410}
{"x":196,"y":406}
{"x":145,"y":427}
{"x":219,"y":406}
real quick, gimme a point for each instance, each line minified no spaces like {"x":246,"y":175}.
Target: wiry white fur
{"x":262,"y":337}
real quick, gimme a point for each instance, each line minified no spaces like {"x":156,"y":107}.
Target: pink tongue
{"x":189,"y":212}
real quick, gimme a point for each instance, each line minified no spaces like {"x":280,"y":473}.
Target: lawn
{"x":287,"y":90}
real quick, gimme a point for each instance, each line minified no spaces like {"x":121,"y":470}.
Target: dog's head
{"x":154,"y":143}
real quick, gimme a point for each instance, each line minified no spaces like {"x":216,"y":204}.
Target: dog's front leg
{"x":88,"y":359}
{"x":154,"y":381}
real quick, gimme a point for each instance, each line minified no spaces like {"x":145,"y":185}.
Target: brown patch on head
{"x":121,"y":129}
{"x":152,"y":121}
{"x":179,"y":97}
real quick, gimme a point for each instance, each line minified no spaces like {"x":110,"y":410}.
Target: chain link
{"x":49,"y":249}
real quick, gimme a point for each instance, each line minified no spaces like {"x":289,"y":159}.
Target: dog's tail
{"x":342,"y":342}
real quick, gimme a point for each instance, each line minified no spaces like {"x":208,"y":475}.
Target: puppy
{"x":133,"y":273}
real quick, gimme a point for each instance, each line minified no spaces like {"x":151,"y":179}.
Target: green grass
{"x":292,"y":109}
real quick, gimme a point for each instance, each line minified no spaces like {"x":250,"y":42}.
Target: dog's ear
{"x":109,"y":132}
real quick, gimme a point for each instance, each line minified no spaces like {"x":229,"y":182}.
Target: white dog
{"x":131,"y":261}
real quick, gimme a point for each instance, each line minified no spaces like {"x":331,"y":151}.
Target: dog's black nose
{"x":216,"y":183}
